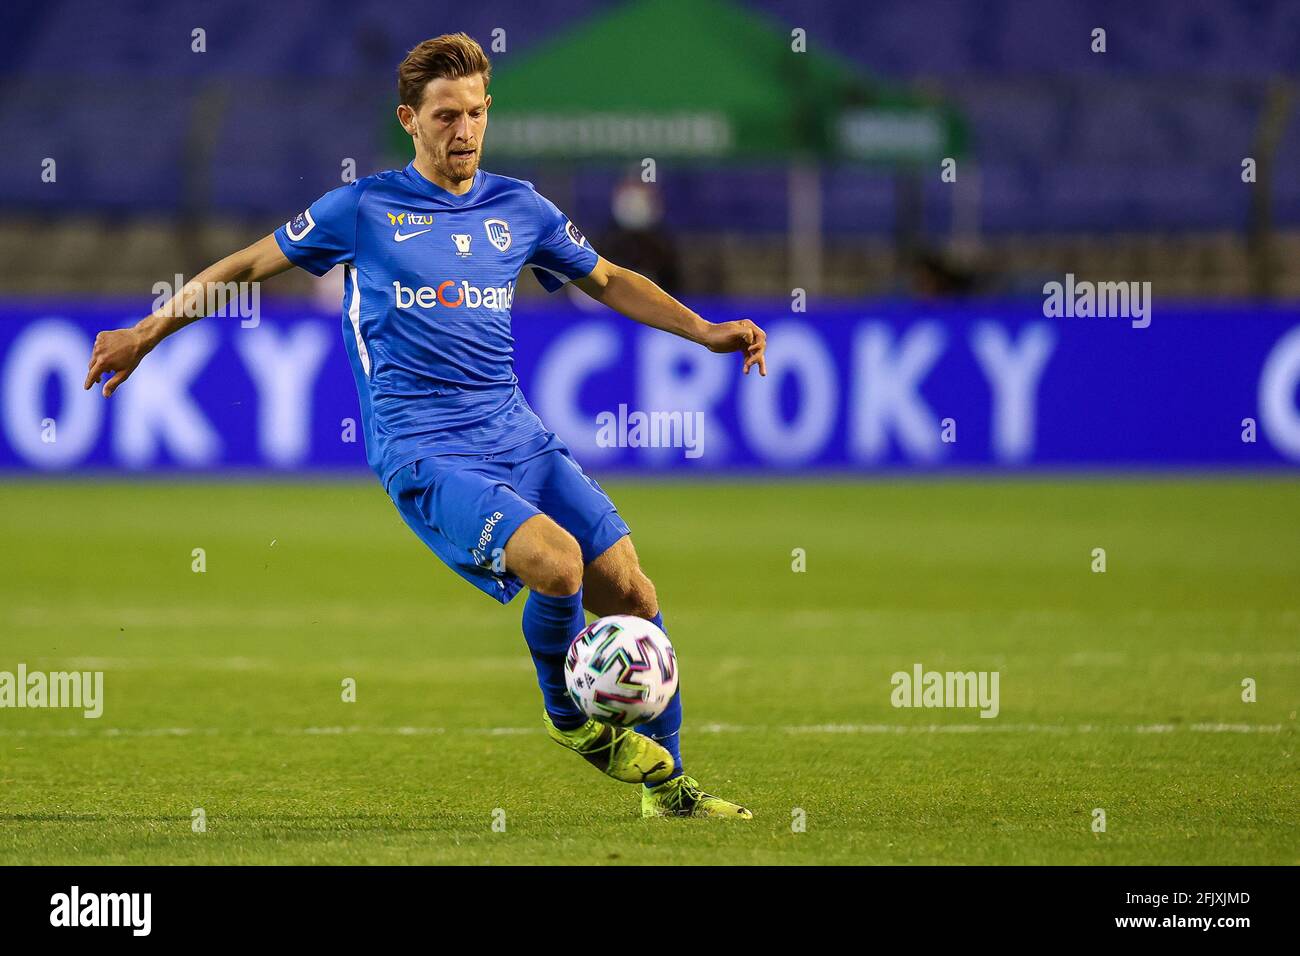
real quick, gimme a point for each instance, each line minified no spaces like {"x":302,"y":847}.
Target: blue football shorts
{"x":466,"y":507}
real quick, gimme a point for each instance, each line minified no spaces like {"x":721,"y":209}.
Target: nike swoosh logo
{"x":399,"y":237}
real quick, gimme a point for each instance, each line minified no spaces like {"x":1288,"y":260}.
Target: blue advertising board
{"x":853,"y":386}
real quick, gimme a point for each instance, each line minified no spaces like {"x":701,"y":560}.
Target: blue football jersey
{"x":426,"y":304}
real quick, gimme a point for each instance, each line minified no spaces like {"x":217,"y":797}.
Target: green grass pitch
{"x":1120,"y":691}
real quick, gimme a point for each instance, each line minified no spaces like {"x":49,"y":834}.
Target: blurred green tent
{"x":708,"y":81}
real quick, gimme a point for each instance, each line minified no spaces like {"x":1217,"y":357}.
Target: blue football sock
{"x":666,"y":728}
{"x":550,"y":624}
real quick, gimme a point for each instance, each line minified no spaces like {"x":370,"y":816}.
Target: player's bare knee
{"x":643,"y":597}
{"x":545,"y":557}
{"x":648,"y":598}
{"x":560,"y":573}
{"x":633,"y":594}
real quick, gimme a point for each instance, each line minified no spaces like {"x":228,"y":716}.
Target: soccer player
{"x":432,"y":253}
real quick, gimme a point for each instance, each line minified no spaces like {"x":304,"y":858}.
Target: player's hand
{"x":118,"y":353}
{"x":740,"y":336}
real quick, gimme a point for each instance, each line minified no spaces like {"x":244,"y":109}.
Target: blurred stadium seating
{"x":1090,"y":162}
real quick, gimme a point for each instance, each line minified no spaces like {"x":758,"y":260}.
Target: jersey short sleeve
{"x":562,"y":251}
{"x":325,"y":233}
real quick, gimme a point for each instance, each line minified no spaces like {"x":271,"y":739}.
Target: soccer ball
{"x":621,"y":670}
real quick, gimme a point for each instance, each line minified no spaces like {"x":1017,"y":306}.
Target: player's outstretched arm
{"x":642,"y":301}
{"x":119,"y":351}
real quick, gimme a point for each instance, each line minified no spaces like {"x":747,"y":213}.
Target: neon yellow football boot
{"x":682,"y":797}
{"x":615,"y":751}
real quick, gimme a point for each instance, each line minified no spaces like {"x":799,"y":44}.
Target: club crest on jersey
{"x":300,"y":225}
{"x":574,"y":233}
{"x":498,"y":233}
{"x":462,"y":244}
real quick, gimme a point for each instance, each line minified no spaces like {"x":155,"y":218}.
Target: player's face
{"x":449,"y":126}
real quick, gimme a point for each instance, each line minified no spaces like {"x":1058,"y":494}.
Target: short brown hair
{"x":450,"y":56}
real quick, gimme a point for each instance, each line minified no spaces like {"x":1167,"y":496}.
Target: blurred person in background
{"x":637,"y":238}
